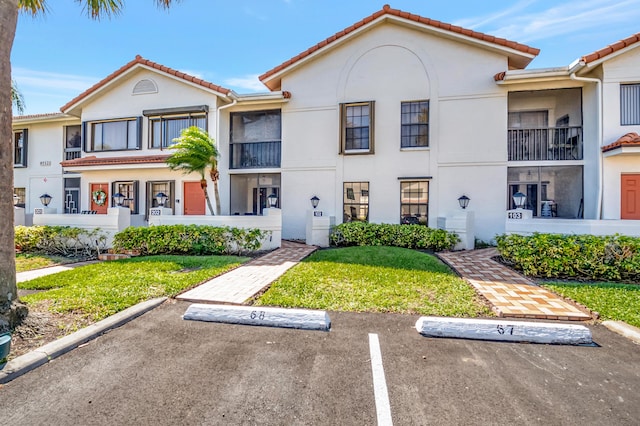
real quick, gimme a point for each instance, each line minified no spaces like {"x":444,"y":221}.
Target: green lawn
{"x":613,"y":301}
{"x":102,"y":289}
{"x":28,"y":262}
{"x":375,"y":279}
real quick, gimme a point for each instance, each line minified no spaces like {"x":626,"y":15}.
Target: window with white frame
{"x":20,"y":148}
{"x":357,"y":128}
{"x":414,"y":202}
{"x":629,"y":104}
{"x":414,"y":117}
{"x":114,"y":135}
{"x":356,"y":202}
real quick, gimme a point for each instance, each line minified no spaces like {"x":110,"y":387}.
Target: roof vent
{"x":145,"y":86}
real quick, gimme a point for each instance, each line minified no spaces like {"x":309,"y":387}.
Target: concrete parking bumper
{"x":504,"y":330}
{"x":305,"y":319}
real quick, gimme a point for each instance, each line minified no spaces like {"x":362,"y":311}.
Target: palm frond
{"x":17,"y":100}
{"x":193,"y":151}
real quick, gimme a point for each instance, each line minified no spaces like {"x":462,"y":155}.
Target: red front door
{"x":630,"y":197}
{"x":194,"y":202}
{"x":99,"y":197}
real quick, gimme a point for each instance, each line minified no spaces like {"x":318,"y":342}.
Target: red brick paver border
{"x":509,"y":293}
{"x":242,"y":283}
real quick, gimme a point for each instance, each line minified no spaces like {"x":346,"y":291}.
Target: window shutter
{"x":172,"y":194}
{"x":25,"y":143}
{"x":113,"y":192}
{"x":372,"y":128}
{"x":136,"y":196}
{"x":343,"y":125}
{"x":83,"y":137}
{"x":139,"y":132}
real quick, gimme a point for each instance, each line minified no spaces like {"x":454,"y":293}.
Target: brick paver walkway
{"x":509,"y":293}
{"x":242,"y":283}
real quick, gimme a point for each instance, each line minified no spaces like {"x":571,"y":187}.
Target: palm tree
{"x":194,"y":152}
{"x":12,"y":312}
{"x":17,"y":100}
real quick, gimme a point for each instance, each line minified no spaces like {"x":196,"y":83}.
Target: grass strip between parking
{"x":103,"y":289}
{"x":613,"y":301}
{"x":375,"y":279}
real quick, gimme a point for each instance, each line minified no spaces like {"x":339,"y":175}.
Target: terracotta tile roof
{"x":630,"y":139}
{"x":612,"y":48}
{"x":108,"y":161}
{"x":387,"y":10}
{"x":36,"y":116}
{"x":140,"y":60}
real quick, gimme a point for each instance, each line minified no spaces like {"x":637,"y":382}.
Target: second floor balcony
{"x":255,"y":155}
{"x":545,"y":144}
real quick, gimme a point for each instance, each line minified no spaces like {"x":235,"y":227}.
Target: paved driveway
{"x":160,"y":369}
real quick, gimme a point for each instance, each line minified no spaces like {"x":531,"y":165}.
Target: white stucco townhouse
{"x":390,"y":120}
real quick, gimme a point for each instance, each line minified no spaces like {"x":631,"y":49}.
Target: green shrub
{"x":188,"y":239}
{"x":589,"y":257}
{"x":407,"y":236}
{"x":64,"y":241}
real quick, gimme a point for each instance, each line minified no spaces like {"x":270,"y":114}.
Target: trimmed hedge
{"x":188,"y":239}
{"x":383,"y":234}
{"x":586,"y":257}
{"x":60,"y":240}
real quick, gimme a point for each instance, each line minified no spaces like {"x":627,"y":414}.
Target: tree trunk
{"x":203,"y":185}
{"x":216,"y":192}
{"x":10,"y":311}
{"x":215,"y":175}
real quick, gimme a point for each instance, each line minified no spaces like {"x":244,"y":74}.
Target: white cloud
{"x":570,"y":17}
{"x":27,"y":78}
{"x":247,"y":82}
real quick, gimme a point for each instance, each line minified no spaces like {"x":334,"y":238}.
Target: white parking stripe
{"x":383,"y":409}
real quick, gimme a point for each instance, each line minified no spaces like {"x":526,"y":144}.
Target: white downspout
{"x":598,"y":82}
{"x":218,"y":109}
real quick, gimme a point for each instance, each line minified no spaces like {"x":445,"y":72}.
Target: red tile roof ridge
{"x":387,"y":10}
{"x":612,"y":48}
{"x":103,"y":161}
{"x":142,"y":61}
{"x":629,"y":139}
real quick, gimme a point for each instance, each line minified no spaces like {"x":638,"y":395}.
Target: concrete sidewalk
{"x":36,"y":273}
{"x":242,"y":283}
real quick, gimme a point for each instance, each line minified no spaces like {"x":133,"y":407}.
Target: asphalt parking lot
{"x":163,"y":370}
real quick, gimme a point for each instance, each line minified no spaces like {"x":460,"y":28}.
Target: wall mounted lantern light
{"x":464,"y":201}
{"x":314,"y":201}
{"x":45,"y":199}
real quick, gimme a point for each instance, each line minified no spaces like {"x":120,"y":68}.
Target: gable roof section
{"x":525,"y":51}
{"x":140,"y":61}
{"x":610,"y":49}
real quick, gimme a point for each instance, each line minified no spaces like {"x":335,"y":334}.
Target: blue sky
{"x":59,"y":55}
